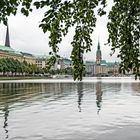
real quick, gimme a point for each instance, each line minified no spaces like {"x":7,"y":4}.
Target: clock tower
{"x":98,"y":55}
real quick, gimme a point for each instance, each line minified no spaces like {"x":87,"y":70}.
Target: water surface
{"x":95,"y":109}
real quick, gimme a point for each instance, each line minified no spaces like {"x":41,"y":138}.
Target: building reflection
{"x":14,"y":92}
{"x":23,"y":93}
{"x":5,"y":125}
{"x":80,"y":95}
{"x":99,"y":94}
{"x":136,"y":89}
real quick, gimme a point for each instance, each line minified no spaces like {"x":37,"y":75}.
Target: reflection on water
{"x":80,"y":94}
{"x":6,"y":114}
{"x":51,"y":108}
{"x":15,"y":92}
{"x":98,"y":96}
{"x":136,"y":88}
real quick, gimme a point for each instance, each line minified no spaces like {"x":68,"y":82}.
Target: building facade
{"x":89,"y":68}
{"x":101,"y":67}
{"x":41,"y":61}
{"x":6,"y":51}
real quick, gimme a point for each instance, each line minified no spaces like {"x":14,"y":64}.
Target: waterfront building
{"x":9,"y":52}
{"x":101,"y":67}
{"x":92,"y":68}
{"x":67,"y":63}
{"x":104,"y":68}
{"x":6,"y":51}
{"x":59,"y":64}
{"x":28,"y":57}
{"x":113,"y":68}
{"x":41,"y":61}
{"x":62,"y":63}
{"x":89,"y":68}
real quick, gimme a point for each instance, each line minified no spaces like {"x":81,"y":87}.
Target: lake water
{"x":95,"y":109}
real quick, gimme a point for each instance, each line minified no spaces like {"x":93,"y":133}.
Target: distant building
{"x":113,"y":68}
{"x":29,"y":58}
{"x":41,"y":61}
{"x":8,"y":52}
{"x":101,"y":67}
{"x":89,"y":68}
{"x":62,"y":63}
{"x":59,"y":63}
{"x":67,"y":63}
{"x":92,"y":68}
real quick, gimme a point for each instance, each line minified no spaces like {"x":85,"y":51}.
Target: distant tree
{"x":26,"y":67}
{"x":33,"y":68}
{"x":22,"y":68}
{"x":1,"y":66}
{"x":17,"y":66}
{"x":68,"y":70}
{"x":4,"y":65}
{"x":9,"y":62}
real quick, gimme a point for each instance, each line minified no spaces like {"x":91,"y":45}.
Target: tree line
{"x":13,"y":67}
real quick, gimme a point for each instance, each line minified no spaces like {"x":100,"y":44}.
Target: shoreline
{"x":20,"y":78}
{"x":70,"y":80}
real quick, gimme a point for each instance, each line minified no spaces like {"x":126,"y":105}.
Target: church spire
{"x":7,"y":39}
{"x":98,"y":48}
{"x":98,"y":54}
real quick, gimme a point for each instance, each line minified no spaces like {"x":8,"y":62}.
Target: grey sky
{"x":25,"y":35}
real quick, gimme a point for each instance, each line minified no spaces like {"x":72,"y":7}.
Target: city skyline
{"x":25,"y":35}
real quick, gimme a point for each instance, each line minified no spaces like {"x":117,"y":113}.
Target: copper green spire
{"x":7,"y":39}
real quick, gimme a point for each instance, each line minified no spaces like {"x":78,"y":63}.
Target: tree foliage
{"x":13,"y":67}
{"x":124,"y":33}
{"x":8,"y":7}
{"x":61,"y":15}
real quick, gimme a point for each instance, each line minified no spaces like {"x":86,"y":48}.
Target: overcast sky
{"x":25,"y":35}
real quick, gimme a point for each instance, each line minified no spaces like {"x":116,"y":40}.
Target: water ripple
{"x":89,"y":110}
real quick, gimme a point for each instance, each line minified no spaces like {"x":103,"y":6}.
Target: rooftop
{"x":9,"y":50}
{"x":42,"y":56}
{"x":67,"y":61}
{"x":90,"y":63}
{"x":6,"y":49}
{"x":103,"y":62}
{"x":26,"y":54}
